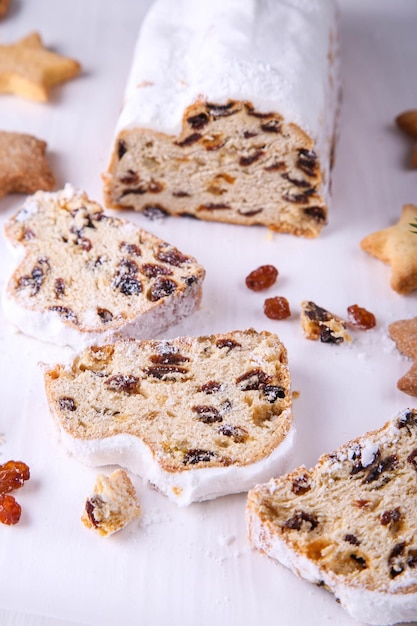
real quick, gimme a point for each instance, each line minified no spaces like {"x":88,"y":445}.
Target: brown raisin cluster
{"x":263,"y":277}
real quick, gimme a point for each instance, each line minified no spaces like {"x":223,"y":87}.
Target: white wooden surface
{"x":194,"y":565}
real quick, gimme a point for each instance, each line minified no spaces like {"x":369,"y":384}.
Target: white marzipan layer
{"x":189,"y":485}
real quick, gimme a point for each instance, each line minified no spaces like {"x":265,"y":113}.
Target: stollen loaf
{"x":230,"y":114}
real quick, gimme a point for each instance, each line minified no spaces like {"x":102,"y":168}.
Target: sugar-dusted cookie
{"x":319,"y":323}
{"x":23,"y":166}
{"x":113,"y":504}
{"x":404,"y":333}
{"x":4,"y":5}
{"x":397,"y":246}
{"x":28,"y":69}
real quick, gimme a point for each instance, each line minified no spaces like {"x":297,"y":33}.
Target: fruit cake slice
{"x":230,"y":114}
{"x":198,"y":417}
{"x":86,"y":277}
{"x":350,"y":522}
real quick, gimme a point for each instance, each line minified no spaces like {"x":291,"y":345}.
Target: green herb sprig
{"x":413,"y":226}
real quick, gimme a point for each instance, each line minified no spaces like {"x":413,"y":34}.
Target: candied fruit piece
{"x":277,"y":308}
{"x":360,"y":317}
{"x":262,"y":278}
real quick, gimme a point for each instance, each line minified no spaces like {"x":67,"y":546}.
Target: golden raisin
{"x":9,"y":510}
{"x":12,"y":475}
{"x":277,"y":308}
{"x":360,"y":317}
{"x":262,"y":278}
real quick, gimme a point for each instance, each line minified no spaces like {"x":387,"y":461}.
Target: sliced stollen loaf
{"x":350,"y":523}
{"x":86,"y":277}
{"x":230,"y":114}
{"x":198,"y":417}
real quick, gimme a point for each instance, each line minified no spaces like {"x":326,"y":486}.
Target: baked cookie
{"x":113,"y":504}
{"x":319,"y":323}
{"x":88,"y":278}
{"x":198,"y":417}
{"x":28,"y":69}
{"x":223,"y":131}
{"x":23,"y":165}
{"x":349,"y":524}
{"x":404,"y":333}
{"x":397,"y":246}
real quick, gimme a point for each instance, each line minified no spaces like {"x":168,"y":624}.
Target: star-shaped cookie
{"x":28,"y":69}
{"x":23,"y":166}
{"x":397,"y":246}
{"x":404,"y":333}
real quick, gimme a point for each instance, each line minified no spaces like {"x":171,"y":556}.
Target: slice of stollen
{"x":86,"y":277}
{"x":198,"y":417}
{"x":349,"y":524}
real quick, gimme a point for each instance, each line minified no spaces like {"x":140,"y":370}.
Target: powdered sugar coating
{"x":280,"y":56}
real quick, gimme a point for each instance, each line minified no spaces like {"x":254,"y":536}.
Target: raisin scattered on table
{"x":13,"y":474}
{"x":261,"y":278}
{"x":277,"y":308}
{"x":360,"y":317}
{"x":10,"y":510}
